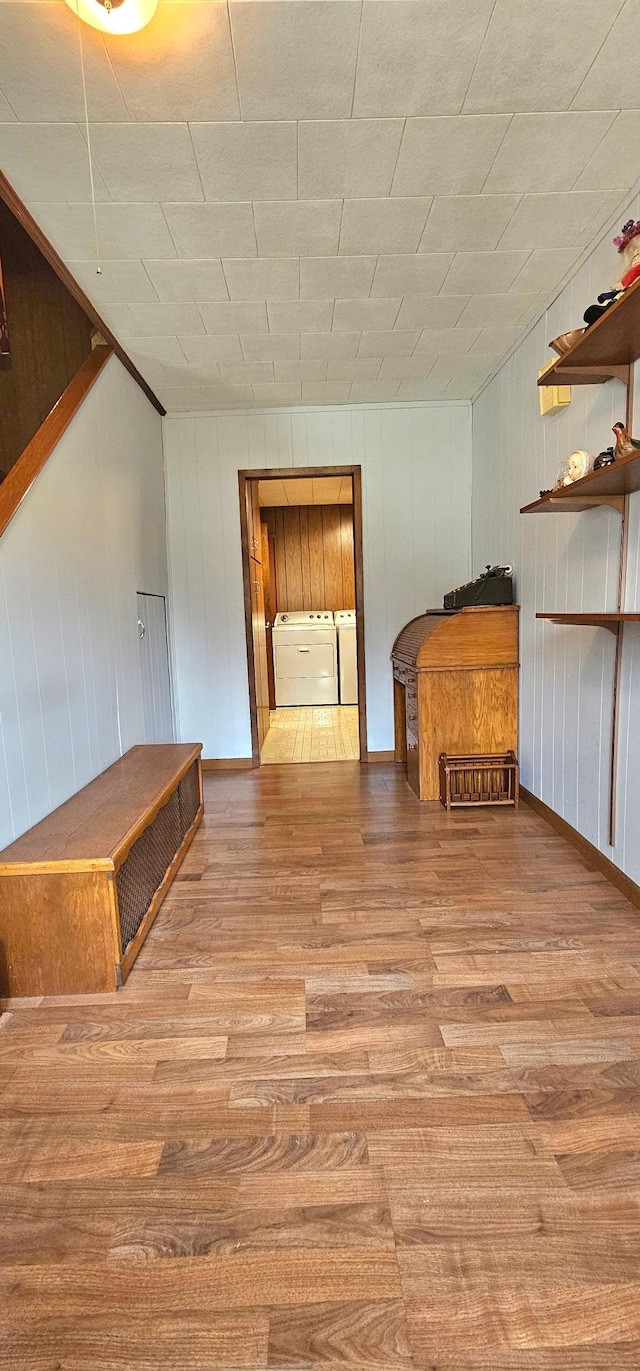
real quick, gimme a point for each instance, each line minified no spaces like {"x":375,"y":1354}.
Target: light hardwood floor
{"x":369,"y":1101}
{"x":312,"y":733}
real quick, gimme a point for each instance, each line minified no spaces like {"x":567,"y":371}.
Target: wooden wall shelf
{"x":606,"y":487}
{"x":613,"y":622}
{"x":608,"y":348}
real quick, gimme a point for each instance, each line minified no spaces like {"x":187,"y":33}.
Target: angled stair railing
{"x":21,"y":476}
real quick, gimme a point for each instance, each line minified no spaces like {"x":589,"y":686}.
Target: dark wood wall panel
{"x":314,"y":561}
{"x":49,"y":338}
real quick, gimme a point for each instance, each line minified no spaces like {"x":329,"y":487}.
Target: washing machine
{"x":305,"y":658}
{"x":345,"y":620}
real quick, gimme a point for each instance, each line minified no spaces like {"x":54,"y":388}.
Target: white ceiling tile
{"x":495,"y":311}
{"x":262,"y":279}
{"x":383,"y":225}
{"x":125,"y":231}
{"x":353,"y":368}
{"x":180,"y":280}
{"x":154,"y":321}
{"x":329,"y":345}
{"x":221,"y":347}
{"x":473,"y":222}
{"x":248,"y":372}
{"x":544,"y":152}
{"x":615,"y":160}
{"x":484,"y":272}
{"x":119,"y":319}
{"x":448,"y":156}
{"x":428,"y":311}
{"x":190,"y":374}
{"x":40,"y":73}
{"x":298,"y":228}
{"x":333,"y":277}
{"x":182,"y":399}
{"x":371,"y":393}
{"x":300,"y":316}
{"x":180,"y":67}
{"x":610,"y":203}
{"x":495,"y":341}
{"x":7,"y":115}
{"x":326,"y":392}
{"x":234,"y":318}
{"x":246,"y":161}
{"x":556,"y":220}
{"x":535,"y":56}
{"x":543,"y":269}
{"x":271,"y":347}
{"x":615,"y":69}
{"x":421,"y":390}
{"x":48,"y":162}
{"x":461,"y":369}
{"x":211,"y":230}
{"x":397,"y":368}
{"x":158,"y":375}
{"x":354,"y":315}
{"x":301,"y":371}
{"x":146,"y":162}
{"x":165,"y":350}
{"x":406,"y":275}
{"x":283,"y":393}
{"x":397,"y":343}
{"x":118,"y":282}
{"x":296,"y":61}
{"x":417,"y":56}
{"x":349,"y":157}
{"x":442,"y":342}
{"x":228,"y":396}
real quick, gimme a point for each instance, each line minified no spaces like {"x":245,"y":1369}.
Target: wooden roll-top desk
{"x":455,"y":689}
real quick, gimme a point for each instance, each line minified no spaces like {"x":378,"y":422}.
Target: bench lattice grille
{"x":143,"y":870}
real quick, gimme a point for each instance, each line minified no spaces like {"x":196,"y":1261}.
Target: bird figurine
{"x":604,"y":459}
{"x":626,"y":446}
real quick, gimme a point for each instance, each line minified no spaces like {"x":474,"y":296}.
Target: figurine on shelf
{"x":578,"y":465}
{"x":604,"y":459}
{"x":628,"y":245}
{"x":626,"y":446}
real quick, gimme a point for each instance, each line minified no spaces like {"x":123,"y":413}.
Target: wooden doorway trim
{"x":290,"y":473}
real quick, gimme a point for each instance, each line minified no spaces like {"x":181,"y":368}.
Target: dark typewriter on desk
{"x":493,"y":587}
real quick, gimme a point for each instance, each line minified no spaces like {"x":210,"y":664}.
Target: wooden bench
{"x":80,"y":891}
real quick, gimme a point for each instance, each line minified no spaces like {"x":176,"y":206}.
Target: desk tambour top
{"x":455,"y":639}
{"x":98,"y":825}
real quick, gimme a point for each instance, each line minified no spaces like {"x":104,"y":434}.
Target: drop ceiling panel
{"x":316,"y":201}
{"x":300,"y":490}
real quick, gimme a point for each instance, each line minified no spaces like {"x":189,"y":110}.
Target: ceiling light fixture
{"x":115,"y":16}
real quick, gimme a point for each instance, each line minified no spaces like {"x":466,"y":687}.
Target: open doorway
{"x":303,"y":589}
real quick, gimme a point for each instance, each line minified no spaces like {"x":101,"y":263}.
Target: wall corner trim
{"x":582,"y":845}
{"x":22,"y":474}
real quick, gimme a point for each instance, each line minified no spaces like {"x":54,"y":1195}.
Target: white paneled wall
{"x":88,"y":536}
{"x":563,"y":562}
{"x":416,"y":495}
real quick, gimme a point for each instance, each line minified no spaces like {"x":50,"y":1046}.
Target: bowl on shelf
{"x":565,"y":341}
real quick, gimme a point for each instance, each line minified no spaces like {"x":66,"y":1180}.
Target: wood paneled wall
{"x":416,"y":528}
{"x":49,"y":337}
{"x":89,"y":535}
{"x":564,"y":562}
{"x":314,"y":562}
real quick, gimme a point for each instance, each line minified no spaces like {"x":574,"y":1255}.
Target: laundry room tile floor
{"x":314,"y":733}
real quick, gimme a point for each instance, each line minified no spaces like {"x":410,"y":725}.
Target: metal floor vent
{"x":142,"y":872}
